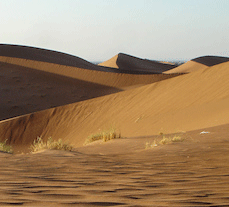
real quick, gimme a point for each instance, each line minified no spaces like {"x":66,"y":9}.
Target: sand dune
{"x":197,"y":64}
{"x":50,"y":56}
{"x":43,"y":55}
{"x":28,"y":86}
{"x":126,"y":62}
{"x":187,"y":67}
{"x":110,"y":79}
{"x":25,"y":90}
{"x":187,"y":102}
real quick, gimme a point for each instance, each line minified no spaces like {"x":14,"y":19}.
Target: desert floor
{"x":122,"y":172}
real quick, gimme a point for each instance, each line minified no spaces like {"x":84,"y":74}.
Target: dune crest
{"x":187,"y":67}
{"x":126,"y":62}
{"x":199,"y":63}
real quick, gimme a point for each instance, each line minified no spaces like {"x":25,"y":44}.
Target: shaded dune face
{"x":25,"y":90}
{"x":126,"y":62}
{"x":211,"y":60}
{"x":44,"y":55}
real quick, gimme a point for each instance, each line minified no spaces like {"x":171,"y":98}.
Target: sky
{"x":97,"y":30}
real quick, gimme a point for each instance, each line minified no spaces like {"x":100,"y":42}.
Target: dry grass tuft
{"x":5,"y":148}
{"x":105,"y":136}
{"x":163,"y":141}
{"x":39,"y":144}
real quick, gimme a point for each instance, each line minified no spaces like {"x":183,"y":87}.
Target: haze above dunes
{"x":51,"y":94}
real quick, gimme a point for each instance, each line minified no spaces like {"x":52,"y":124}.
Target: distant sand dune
{"x":50,"y":56}
{"x":211,"y":60}
{"x":198,"y":63}
{"x":187,"y":67}
{"x":127,"y":62}
{"x":118,"y":80}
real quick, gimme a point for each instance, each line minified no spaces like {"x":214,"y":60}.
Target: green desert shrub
{"x":39,"y":144}
{"x":5,"y":147}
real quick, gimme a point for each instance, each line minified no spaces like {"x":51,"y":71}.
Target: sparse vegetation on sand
{"x":5,"y":147}
{"x":105,"y":136}
{"x":163,"y":141}
{"x":39,"y":144}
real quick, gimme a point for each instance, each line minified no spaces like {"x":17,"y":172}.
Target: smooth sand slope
{"x":192,"y":101}
{"x":29,"y":86}
{"x":197,"y":64}
{"x":126,"y":62}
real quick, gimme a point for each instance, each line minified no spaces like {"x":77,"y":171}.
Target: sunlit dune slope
{"x":127,"y":62}
{"x":187,"y":67}
{"x":198,"y":63}
{"x":192,"y":101}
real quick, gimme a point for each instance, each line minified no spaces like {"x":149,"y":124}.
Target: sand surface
{"x":122,"y":173}
{"x":52,"y":94}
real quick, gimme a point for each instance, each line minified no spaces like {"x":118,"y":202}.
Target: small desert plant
{"x":105,"y":136}
{"x":39,"y":144}
{"x":5,"y":148}
{"x":168,"y":140}
{"x":163,"y":141}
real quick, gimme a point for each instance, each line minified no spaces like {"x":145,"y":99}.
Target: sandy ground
{"x":47,"y":93}
{"x":122,"y":173}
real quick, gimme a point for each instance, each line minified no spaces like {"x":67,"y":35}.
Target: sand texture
{"x":52,"y":94}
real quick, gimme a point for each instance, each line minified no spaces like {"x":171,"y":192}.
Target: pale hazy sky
{"x":99,"y":29}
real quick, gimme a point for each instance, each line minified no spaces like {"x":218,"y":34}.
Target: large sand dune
{"x":126,"y":62}
{"x":29,"y":86}
{"x":187,"y":102}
